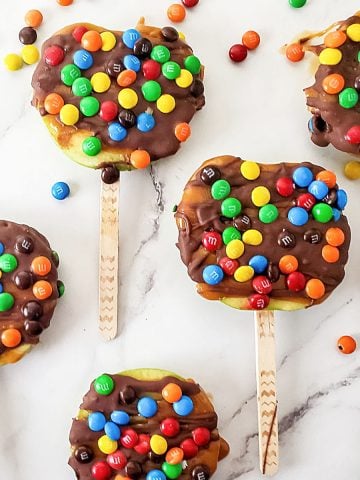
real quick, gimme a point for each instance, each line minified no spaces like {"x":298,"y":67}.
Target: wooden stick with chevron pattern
{"x":266,"y":392}
{"x":109,"y":260}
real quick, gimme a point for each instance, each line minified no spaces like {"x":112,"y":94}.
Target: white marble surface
{"x":255,"y":110}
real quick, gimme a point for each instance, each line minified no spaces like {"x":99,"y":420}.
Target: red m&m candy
{"x":262,"y":284}
{"x":151,"y":69}
{"x":170,"y":427}
{"x":229,"y":265}
{"x":101,"y":471}
{"x":353,"y":134}
{"x":129,"y":438}
{"x":258,"y":301}
{"x":78,"y":33}
{"x":201,"y":436}
{"x":190,"y":3}
{"x":54,"y":55}
{"x":238,"y":53}
{"x":108,"y":111}
{"x":212,"y":241}
{"x":143,"y":447}
{"x":189,"y":448}
{"x":117,"y":460}
{"x":296,"y":281}
{"x":306,"y":200}
{"x":285,"y":186}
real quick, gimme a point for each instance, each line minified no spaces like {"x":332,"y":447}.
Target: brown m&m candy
{"x":26,"y":260}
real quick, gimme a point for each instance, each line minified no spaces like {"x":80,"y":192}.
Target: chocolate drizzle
{"x":138,"y":465}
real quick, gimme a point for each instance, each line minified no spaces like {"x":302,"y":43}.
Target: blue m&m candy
{"x":336,"y":214}
{"x":213,"y":274}
{"x":96,"y":421}
{"x":258,"y":263}
{"x":341,"y":199}
{"x":156,"y":475}
{"x":298,"y":216}
{"x":311,"y":125}
{"x":319,"y":189}
{"x":184,"y":406}
{"x":132,"y":62}
{"x":117,"y":132}
{"x":83,"y":59}
{"x":112,"y":431}
{"x":120,"y":417}
{"x":145,"y":122}
{"x":60,"y":190}
{"x":147,"y":407}
{"x":2,"y":248}
{"x":130,"y":36}
{"x":303,"y":176}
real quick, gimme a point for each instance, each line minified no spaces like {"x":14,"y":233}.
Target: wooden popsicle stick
{"x":109,"y":260}
{"x":266,"y":392}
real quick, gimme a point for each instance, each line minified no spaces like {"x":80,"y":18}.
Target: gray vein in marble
{"x":14,"y":123}
{"x":158,"y":187}
{"x":150,"y":282}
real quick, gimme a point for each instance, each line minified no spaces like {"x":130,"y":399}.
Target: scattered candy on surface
{"x":297,"y":3}
{"x":176,"y":13}
{"x":352,"y":169}
{"x":294,"y":52}
{"x":251,"y":39}
{"x":346,"y":344}
{"x":65,"y":3}
{"x":60,"y":190}
{"x":33,"y":18}
{"x":238,"y":53}
{"x":13,"y":62}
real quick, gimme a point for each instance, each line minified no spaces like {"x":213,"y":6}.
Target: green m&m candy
{"x":348,"y":98}
{"x":89,"y":106}
{"x":91,"y":146}
{"x":82,"y":87}
{"x":322,"y":212}
{"x":160,"y":54}
{"x":297,"y":3}
{"x":231,"y":207}
{"x":104,"y":385}
{"x":268,"y":213}
{"x":61,"y":288}
{"x":171,"y":70}
{"x":151,"y":90}
{"x":69,"y":74}
{"x":230,"y":233}
{"x":6,"y":301}
{"x":172,"y":471}
{"x":8,"y":262}
{"x":192,"y":64}
{"x":220,"y":189}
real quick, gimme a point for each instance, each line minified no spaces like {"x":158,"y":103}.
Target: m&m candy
{"x":172,"y":392}
{"x":104,"y":385}
{"x":117,"y":132}
{"x":112,"y":431}
{"x":303,"y":176}
{"x":147,"y":407}
{"x":170,"y":427}
{"x":298,"y":216}
{"x":96,"y":421}
{"x":13,"y":61}
{"x":184,"y":406}
{"x":158,"y":444}
{"x":60,"y":190}
{"x":346,"y":344}
{"x":129,"y":438}
{"x":238,"y":53}
{"x":83,"y":59}
{"x":251,"y":39}
{"x":213,"y":274}
{"x":176,"y":12}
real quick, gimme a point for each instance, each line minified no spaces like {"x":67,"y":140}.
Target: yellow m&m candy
{"x":353,"y":32}
{"x":13,"y":62}
{"x":252,"y":237}
{"x":244,"y":273}
{"x":260,"y":196}
{"x":128,"y":98}
{"x":158,"y":444}
{"x":235,"y":249}
{"x":108,"y":41}
{"x":352,"y":170}
{"x":106,"y":445}
{"x":250,"y":170}
{"x":182,"y":36}
{"x":185,"y":79}
{"x":330,"y":56}
{"x":166,"y":103}
{"x":30,"y":54}
{"x":100,"y":82}
{"x":69,"y":114}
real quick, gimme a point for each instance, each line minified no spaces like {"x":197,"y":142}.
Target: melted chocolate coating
{"x":161,"y":140}
{"x":82,"y":439}
{"x":29,"y":315}
{"x":198,"y":212}
{"x":330,"y":121}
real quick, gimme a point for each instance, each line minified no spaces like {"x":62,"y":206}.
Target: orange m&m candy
{"x":335,"y":39}
{"x":295,"y":52}
{"x":176,"y":13}
{"x":140,"y":158}
{"x":42,"y":290}
{"x":315,"y":288}
{"x":171,"y":392}
{"x":288,"y":264}
{"x":251,"y":40}
{"x":333,"y":83}
{"x":174,"y":456}
{"x":11,"y":337}
{"x":41,"y":266}
{"x":64,"y":3}
{"x":330,"y":254}
{"x":182,"y":131}
{"x":54,"y":103}
{"x":126,"y":78}
{"x":91,"y":41}
{"x":346,"y":344}
{"x":335,"y":236}
{"x":33,"y":18}
{"x":328,"y":177}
